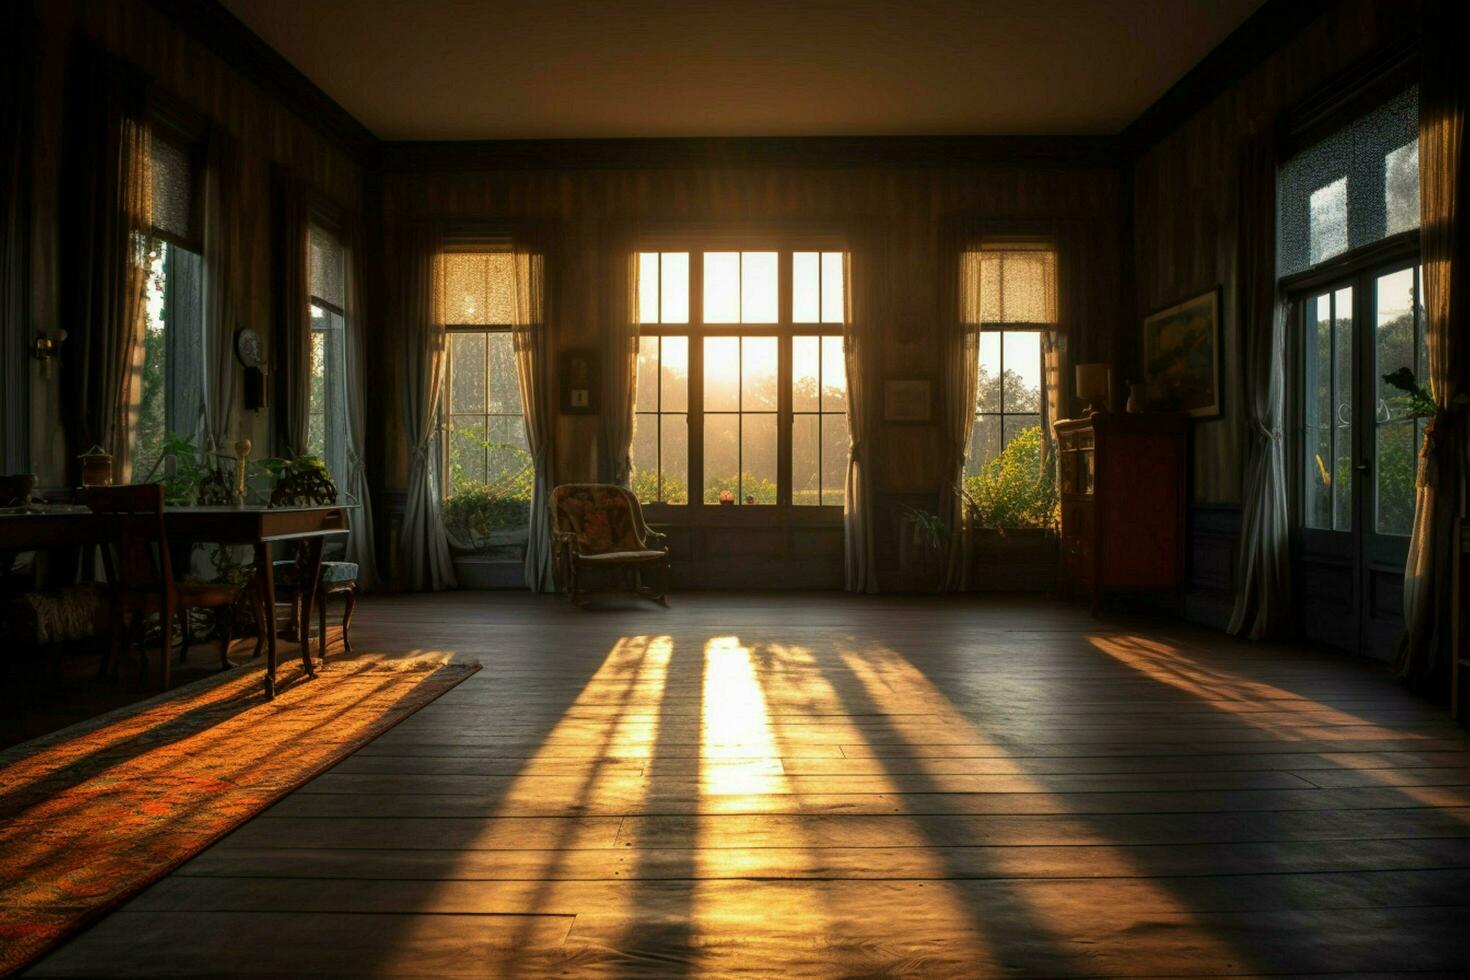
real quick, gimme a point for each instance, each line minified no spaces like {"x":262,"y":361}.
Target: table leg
{"x":307,"y":592}
{"x":265,"y":576}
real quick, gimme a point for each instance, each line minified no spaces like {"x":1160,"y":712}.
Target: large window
{"x":170,"y":365}
{"x":742,"y":385}
{"x":327,"y":431}
{"x":488,"y":474}
{"x":1010,"y":291}
{"x":1361,"y":318}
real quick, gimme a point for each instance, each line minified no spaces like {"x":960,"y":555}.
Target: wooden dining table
{"x":255,"y":525}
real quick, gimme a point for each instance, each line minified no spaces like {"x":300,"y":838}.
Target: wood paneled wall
{"x":1186,"y":210}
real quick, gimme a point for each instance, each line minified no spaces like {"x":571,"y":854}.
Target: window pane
{"x":648,"y":287}
{"x":1342,"y":394}
{"x":1401,"y":188}
{"x":721,"y":287}
{"x":1396,"y":340}
{"x":508,"y":457}
{"x":173,"y":186}
{"x":1015,"y":425}
{"x":805,"y":460}
{"x":466,"y":373}
{"x":1329,"y":207}
{"x":466,"y":453}
{"x":674,"y":438}
{"x":1317,"y":440}
{"x":316,"y":435}
{"x":759,"y":302}
{"x":505,"y":383}
{"x":758,"y":467}
{"x":806,"y":300}
{"x":644,"y":478}
{"x":834,"y":458}
{"x":834,"y":376}
{"x":1397,"y":457}
{"x":833,"y":306}
{"x":647,"y":396}
{"x":984,"y":443}
{"x":1022,"y":387}
{"x":721,"y":456}
{"x":675,"y":374}
{"x":675,"y":287}
{"x":805,"y":372}
{"x":721,"y":374}
{"x":989,"y":381}
{"x":1352,"y":188}
{"x":152,"y":397}
{"x":758,"y":374}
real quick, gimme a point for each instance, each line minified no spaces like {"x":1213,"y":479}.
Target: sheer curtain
{"x":860,"y":569}
{"x":1263,"y":602}
{"x":621,"y":387}
{"x":354,"y":483}
{"x":533,"y":368}
{"x":106,"y":216}
{"x":1427,"y":653}
{"x":293,"y":315}
{"x":423,"y":545}
{"x":959,"y":385}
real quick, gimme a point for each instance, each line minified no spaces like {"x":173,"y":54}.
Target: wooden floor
{"x":838,"y":786}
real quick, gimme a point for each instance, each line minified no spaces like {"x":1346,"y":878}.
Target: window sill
{"x":740,"y":515}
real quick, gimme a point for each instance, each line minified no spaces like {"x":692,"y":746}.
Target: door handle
{"x":1361,"y":467}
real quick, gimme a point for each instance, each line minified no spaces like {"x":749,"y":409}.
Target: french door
{"x":1357,"y":451}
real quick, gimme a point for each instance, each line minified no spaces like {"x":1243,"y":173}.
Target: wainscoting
{"x":1212,"y":539}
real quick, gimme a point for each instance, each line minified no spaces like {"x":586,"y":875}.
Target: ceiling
{"x":542,"y":69}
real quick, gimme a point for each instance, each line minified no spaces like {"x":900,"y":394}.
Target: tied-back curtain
{"x":860,"y":569}
{"x":959,"y":386}
{"x":1427,"y":650}
{"x":621,"y":387}
{"x":423,"y":545}
{"x":361,"y":547}
{"x":533,"y":366}
{"x":1263,"y":601}
{"x":293,"y":315}
{"x":107,"y":215}
{"x":225,"y":252}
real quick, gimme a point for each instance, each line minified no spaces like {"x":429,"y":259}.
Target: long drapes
{"x":859,"y":567}
{"x":424,"y":550}
{"x":959,"y":382}
{"x":621,"y":385}
{"x":361,"y":546}
{"x":1426,"y":653}
{"x":105,"y":253}
{"x":1263,"y":601}
{"x":533,"y":366}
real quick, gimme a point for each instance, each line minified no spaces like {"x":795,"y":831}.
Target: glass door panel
{"x":1328,"y":434}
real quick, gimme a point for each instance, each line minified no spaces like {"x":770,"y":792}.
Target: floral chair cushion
{"x":598,"y":515}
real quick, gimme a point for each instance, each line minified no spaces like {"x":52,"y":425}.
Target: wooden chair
{"x":338,"y":578}
{"x":140,"y":572}
{"x":600,"y":525}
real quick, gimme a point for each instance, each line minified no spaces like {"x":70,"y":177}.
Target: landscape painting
{"x":1181,"y":357}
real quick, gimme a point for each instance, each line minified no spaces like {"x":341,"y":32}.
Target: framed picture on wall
{"x":580,"y":382}
{"x":908,"y":400}
{"x":1181,"y":357}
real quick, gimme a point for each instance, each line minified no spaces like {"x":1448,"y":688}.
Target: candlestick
{"x":242,"y":453}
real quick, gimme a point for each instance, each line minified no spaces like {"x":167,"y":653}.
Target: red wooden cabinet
{"x":1122,"y":486}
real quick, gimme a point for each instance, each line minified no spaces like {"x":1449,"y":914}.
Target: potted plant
{"x":1011,"y":517}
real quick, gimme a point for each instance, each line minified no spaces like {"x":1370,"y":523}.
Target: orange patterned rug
{"x":91,"y":815}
